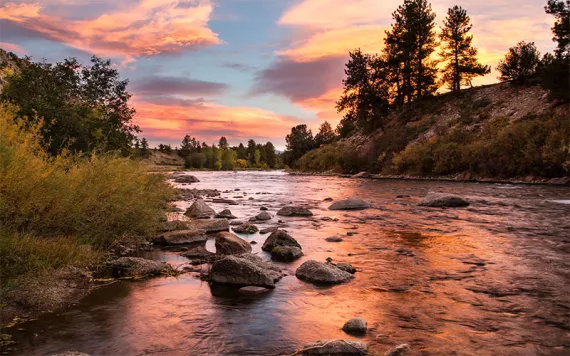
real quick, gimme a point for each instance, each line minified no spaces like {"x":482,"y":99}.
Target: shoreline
{"x":460,"y":178}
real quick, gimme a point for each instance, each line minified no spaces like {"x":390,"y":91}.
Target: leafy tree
{"x":520,"y":63}
{"x":223,"y":144}
{"x":257,"y":158}
{"x":561,"y":29}
{"x":299,"y":142}
{"x":365,"y":97}
{"x":326,"y":134}
{"x":457,"y":49}
{"x":84,"y":107}
{"x":228,"y":158}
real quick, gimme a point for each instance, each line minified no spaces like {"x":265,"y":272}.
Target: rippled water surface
{"x":489,"y":279}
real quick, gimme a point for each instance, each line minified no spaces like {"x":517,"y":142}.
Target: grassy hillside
{"x":498,"y":131}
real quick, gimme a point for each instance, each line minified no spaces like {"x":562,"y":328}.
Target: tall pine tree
{"x":457,"y":50}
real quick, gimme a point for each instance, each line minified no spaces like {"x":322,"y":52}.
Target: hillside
{"x":499,"y":130}
{"x":158,"y":158}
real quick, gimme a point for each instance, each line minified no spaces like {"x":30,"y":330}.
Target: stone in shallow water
{"x":229,"y":244}
{"x":264,"y":215}
{"x":186,"y":179}
{"x":334,"y":239}
{"x":441,"y":200}
{"x":322,"y":273}
{"x":200,"y":210}
{"x":181,"y":237}
{"x":350,"y":204}
{"x":245,"y":229}
{"x":279,"y":238}
{"x":226,"y":214}
{"x":245,"y":270}
{"x":399,"y":350}
{"x":347,"y":267}
{"x":335,"y":348}
{"x":355,"y":326}
{"x":138,"y":267}
{"x":294,"y":211}
{"x":286,"y":253}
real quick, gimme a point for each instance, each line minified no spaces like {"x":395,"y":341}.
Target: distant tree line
{"x":408,"y":71}
{"x":200,"y":155}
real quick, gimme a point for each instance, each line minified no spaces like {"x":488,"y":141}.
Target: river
{"x":489,"y":279}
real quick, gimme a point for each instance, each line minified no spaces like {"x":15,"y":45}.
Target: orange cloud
{"x":149,"y":27}
{"x":207,"y":122}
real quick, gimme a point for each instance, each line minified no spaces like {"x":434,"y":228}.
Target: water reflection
{"x":489,"y":279}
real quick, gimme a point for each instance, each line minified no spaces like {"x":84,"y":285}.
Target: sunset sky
{"x":240,"y":68}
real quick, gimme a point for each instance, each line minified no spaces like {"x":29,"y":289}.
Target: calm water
{"x":490,"y":279}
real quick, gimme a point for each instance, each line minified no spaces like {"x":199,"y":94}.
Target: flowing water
{"x":489,"y":279}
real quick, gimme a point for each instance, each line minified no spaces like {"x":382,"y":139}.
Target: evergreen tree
{"x":561,"y":11}
{"x":223,"y":144}
{"x":145,"y":152}
{"x":270,"y":155}
{"x":326,"y":134}
{"x":251,"y":147}
{"x":241,"y":151}
{"x":462,"y":65}
{"x":185,"y":146}
{"x":520,"y":63}
{"x":555,"y":70}
{"x":299,"y":142}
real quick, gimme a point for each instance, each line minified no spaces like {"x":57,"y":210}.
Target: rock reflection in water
{"x":489,"y":279}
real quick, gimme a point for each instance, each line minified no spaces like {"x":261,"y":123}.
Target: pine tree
{"x":561,"y":11}
{"x":325,"y":135}
{"x":223,"y":144}
{"x":520,"y":63}
{"x":145,"y":152}
{"x":408,"y":47}
{"x":462,"y":65}
{"x":185,"y":146}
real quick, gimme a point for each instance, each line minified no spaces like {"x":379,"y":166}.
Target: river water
{"x":489,"y":279}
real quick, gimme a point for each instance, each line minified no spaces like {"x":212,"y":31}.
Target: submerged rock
{"x":350,"y":204}
{"x":197,"y":252}
{"x":279,"y":238}
{"x":355,"y":326}
{"x":347,"y":267}
{"x":335,"y":348}
{"x":334,"y":239}
{"x":246,"y":229}
{"x":245,"y":270}
{"x":138,"y":267}
{"x":229,"y":244}
{"x":286,"y":253}
{"x":264,"y":215}
{"x":236,"y":223}
{"x":443,"y":200}
{"x":319,"y":272}
{"x":200,"y":210}
{"x":226,"y":214}
{"x":399,"y":350}
{"x":269,"y":229}
{"x":186,"y":179}
{"x":225,"y":201}
{"x":294,"y":211}
{"x":181,"y":237}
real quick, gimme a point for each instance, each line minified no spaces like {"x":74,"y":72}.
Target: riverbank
{"x":462,"y":178}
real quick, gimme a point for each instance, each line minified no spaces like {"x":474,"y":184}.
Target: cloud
{"x":128,"y":29}
{"x":163,"y":85}
{"x":208,"y":121}
{"x":300,"y":80}
{"x":10,"y":47}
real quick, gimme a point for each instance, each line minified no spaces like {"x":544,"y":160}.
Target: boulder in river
{"x":236,"y":223}
{"x":279,"y":238}
{"x":186,"y":179}
{"x":347,"y":267}
{"x":335,"y":348}
{"x":225,"y":214}
{"x":210,"y":225}
{"x":225,"y":201}
{"x":324,"y":273}
{"x":181,"y":237}
{"x":294,"y":211}
{"x":199,"y":252}
{"x":441,"y":200}
{"x":355,"y":326}
{"x":264,"y":215}
{"x":245,"y":229}
{"x":286,"y":253}
{"x":350,"y":204}
{"x":268,"y":230}
{"x":125,"y":267}
{"x":334,"y":239}
{"x":245,"y":270}
{"x":229,"y":244}
{"x":200,"y":210}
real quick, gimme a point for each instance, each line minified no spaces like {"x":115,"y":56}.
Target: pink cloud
{"x":10,"y":47}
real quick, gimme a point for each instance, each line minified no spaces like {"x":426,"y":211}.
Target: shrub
{"x":95,"y":199}
{"x":520,"y":63}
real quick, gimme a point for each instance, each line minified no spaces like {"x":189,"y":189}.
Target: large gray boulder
{"x":441,"y":200}
{"x":245,"y":229}
{"x":229,"y":244}
{"x":186,"y":179}
{"x":286,"y":253}
{"x":245,"y":270}
{"x":125,"y":267}
{"x":350,"y":204}
{"x":322,"y":273}
{"x":226,"y":214}
{"x":355,"y":326}
{"x":200,"y":210}
{"x":279,"y":238}
{"x":294,"y":211}
{"x":335,"y":348}
{"x":211,"y":225}
{"x":181,"y":237}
